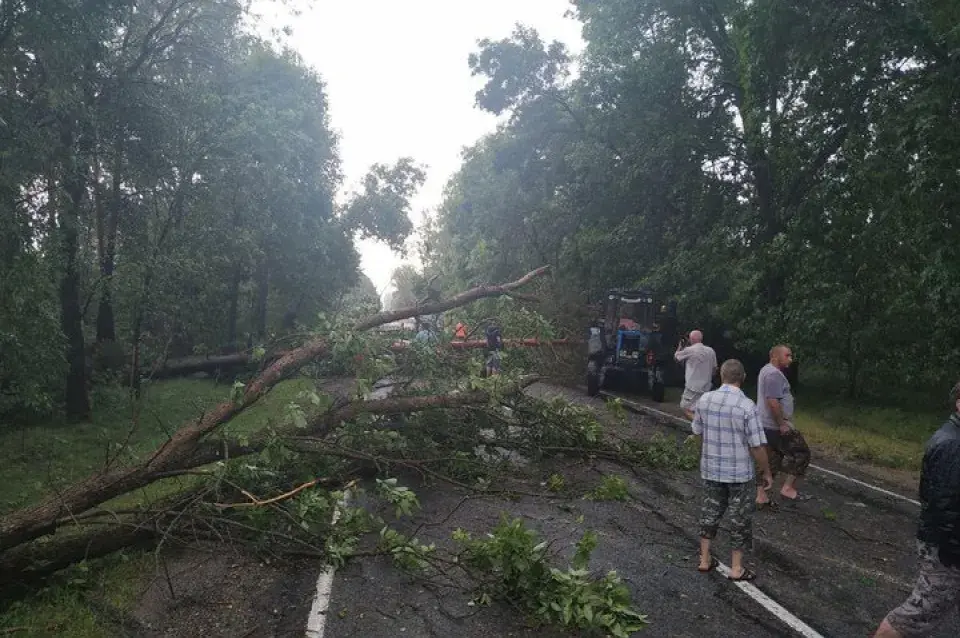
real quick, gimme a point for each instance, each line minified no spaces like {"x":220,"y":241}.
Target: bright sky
{"x":398,"y":83}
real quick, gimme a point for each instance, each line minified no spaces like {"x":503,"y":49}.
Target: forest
{"x":168,"y":185}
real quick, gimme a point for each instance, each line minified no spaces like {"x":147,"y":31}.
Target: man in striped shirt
{"x":732,"y":438}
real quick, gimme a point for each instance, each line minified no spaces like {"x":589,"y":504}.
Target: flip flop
{"x":746,"y":575}
{"x":771,"y":505}
{"x":798,"y":499}
{"x":713,"y":563}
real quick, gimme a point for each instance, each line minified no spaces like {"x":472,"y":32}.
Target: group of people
{"x":744,"y":445}
{"x":785,"y":450}
{"x":491,"y":365}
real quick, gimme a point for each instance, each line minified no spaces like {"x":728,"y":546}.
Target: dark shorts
{"x":787,"y":453}
{"x":740,"y":500}
{"x":936,"y":593}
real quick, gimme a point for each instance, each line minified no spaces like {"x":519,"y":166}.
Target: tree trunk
{"x":77,"y":403}
{"x":106,"y":325}
{"x":135,"y":344}
{"x":290,"y":316}
{"x":43,"y":518}
{"x":108,"y":223}
{"x":233,"y":343}
{"x":260,"y":303}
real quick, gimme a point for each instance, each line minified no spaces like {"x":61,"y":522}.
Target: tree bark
{"x":108,"y":222}
{"x":233,"y":309}
{"x":190,"y":365}
{"x":260,"y":302}
{"x":76,"y":401}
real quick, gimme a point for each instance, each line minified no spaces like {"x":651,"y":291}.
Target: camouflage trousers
{"x":740,"y":499}
{"x":787,"y":453}
{"x":936,"y":593}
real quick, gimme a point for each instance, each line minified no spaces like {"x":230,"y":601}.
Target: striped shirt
{"x":727,"y":420}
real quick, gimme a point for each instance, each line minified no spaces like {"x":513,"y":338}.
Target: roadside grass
{"x":862,"y":430}
{"x":884,"y":436}
{"x":36,"y":461}
{"x":66,"y":607}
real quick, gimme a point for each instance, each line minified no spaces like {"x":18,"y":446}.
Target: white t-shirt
{"x":701,"y":361}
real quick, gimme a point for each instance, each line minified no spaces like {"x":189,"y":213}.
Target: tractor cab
{"x":632,"y":343}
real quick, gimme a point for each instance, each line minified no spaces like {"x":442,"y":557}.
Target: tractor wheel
{"x":657,"y":392}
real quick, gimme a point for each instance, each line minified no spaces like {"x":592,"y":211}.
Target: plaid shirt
{"x":727,"y":420}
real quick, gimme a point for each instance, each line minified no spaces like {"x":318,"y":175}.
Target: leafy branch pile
{"x":512,"y":565}
{"x":58,"y":531}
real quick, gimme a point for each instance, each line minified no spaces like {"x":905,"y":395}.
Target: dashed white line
{"x":317,"y":620}
{"x":680,"y":421}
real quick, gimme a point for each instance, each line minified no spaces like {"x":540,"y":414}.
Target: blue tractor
{"x":631,"y":345}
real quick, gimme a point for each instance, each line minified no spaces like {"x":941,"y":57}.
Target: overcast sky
{"x":398,"y":82}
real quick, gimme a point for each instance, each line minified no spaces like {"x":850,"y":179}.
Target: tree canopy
{"x":167,"y":184}
{"x":786,"y":169}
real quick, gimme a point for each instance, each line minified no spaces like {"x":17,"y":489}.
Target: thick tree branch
{"x":806,"y":179}
{"x":43,"y":518}
{"x":480,"y":292}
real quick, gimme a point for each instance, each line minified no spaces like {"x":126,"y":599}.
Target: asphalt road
{"x":838,"y":562}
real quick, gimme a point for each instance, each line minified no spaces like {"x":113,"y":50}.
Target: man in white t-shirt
{"x":701,"y":362}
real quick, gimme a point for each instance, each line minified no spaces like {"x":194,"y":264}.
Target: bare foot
{"x":788,"y":492}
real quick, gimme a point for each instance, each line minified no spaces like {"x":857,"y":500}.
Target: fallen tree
{"x":101,"y":531}
{"x":182,"y":451}
{"x":219,"y":365}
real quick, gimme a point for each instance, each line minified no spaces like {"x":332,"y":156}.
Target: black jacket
{"x":940,"y":492}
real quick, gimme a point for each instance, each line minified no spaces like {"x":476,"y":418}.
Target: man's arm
{"x":777,"y":411}
{"x":773,"y":392}
{"x":681,"y":354}
{"x":757,"y":440}
{"x":697,"y":424}
{"x":943,"y":497}
{"x":759,"y":455}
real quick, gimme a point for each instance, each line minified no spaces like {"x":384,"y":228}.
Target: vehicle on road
{"x":631,"y":345}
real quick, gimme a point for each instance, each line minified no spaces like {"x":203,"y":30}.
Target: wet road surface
{"x":838,"y":562}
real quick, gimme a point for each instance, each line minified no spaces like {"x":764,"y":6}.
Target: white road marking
{"x":772,"y":606}
{"x":749,"y":589}
{"x":867,"y":485}
{"x":681,"y":421}
{"x":317,"y":620}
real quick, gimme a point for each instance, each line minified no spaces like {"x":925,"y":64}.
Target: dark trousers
{"x":788,"y":453}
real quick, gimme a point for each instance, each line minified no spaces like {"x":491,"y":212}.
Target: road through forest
{"x":834,"y":565}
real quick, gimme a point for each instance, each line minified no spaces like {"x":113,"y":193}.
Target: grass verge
{"x":882,"y":436}
{"x":37,"y":460}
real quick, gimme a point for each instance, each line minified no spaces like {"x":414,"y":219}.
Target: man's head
{"x":696,"y":337}
{"x":781,"y":356}
{"x":732,"y":372}
{"x":955,"y":397}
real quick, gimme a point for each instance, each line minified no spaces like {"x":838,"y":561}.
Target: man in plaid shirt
{"x":733,"y":438}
